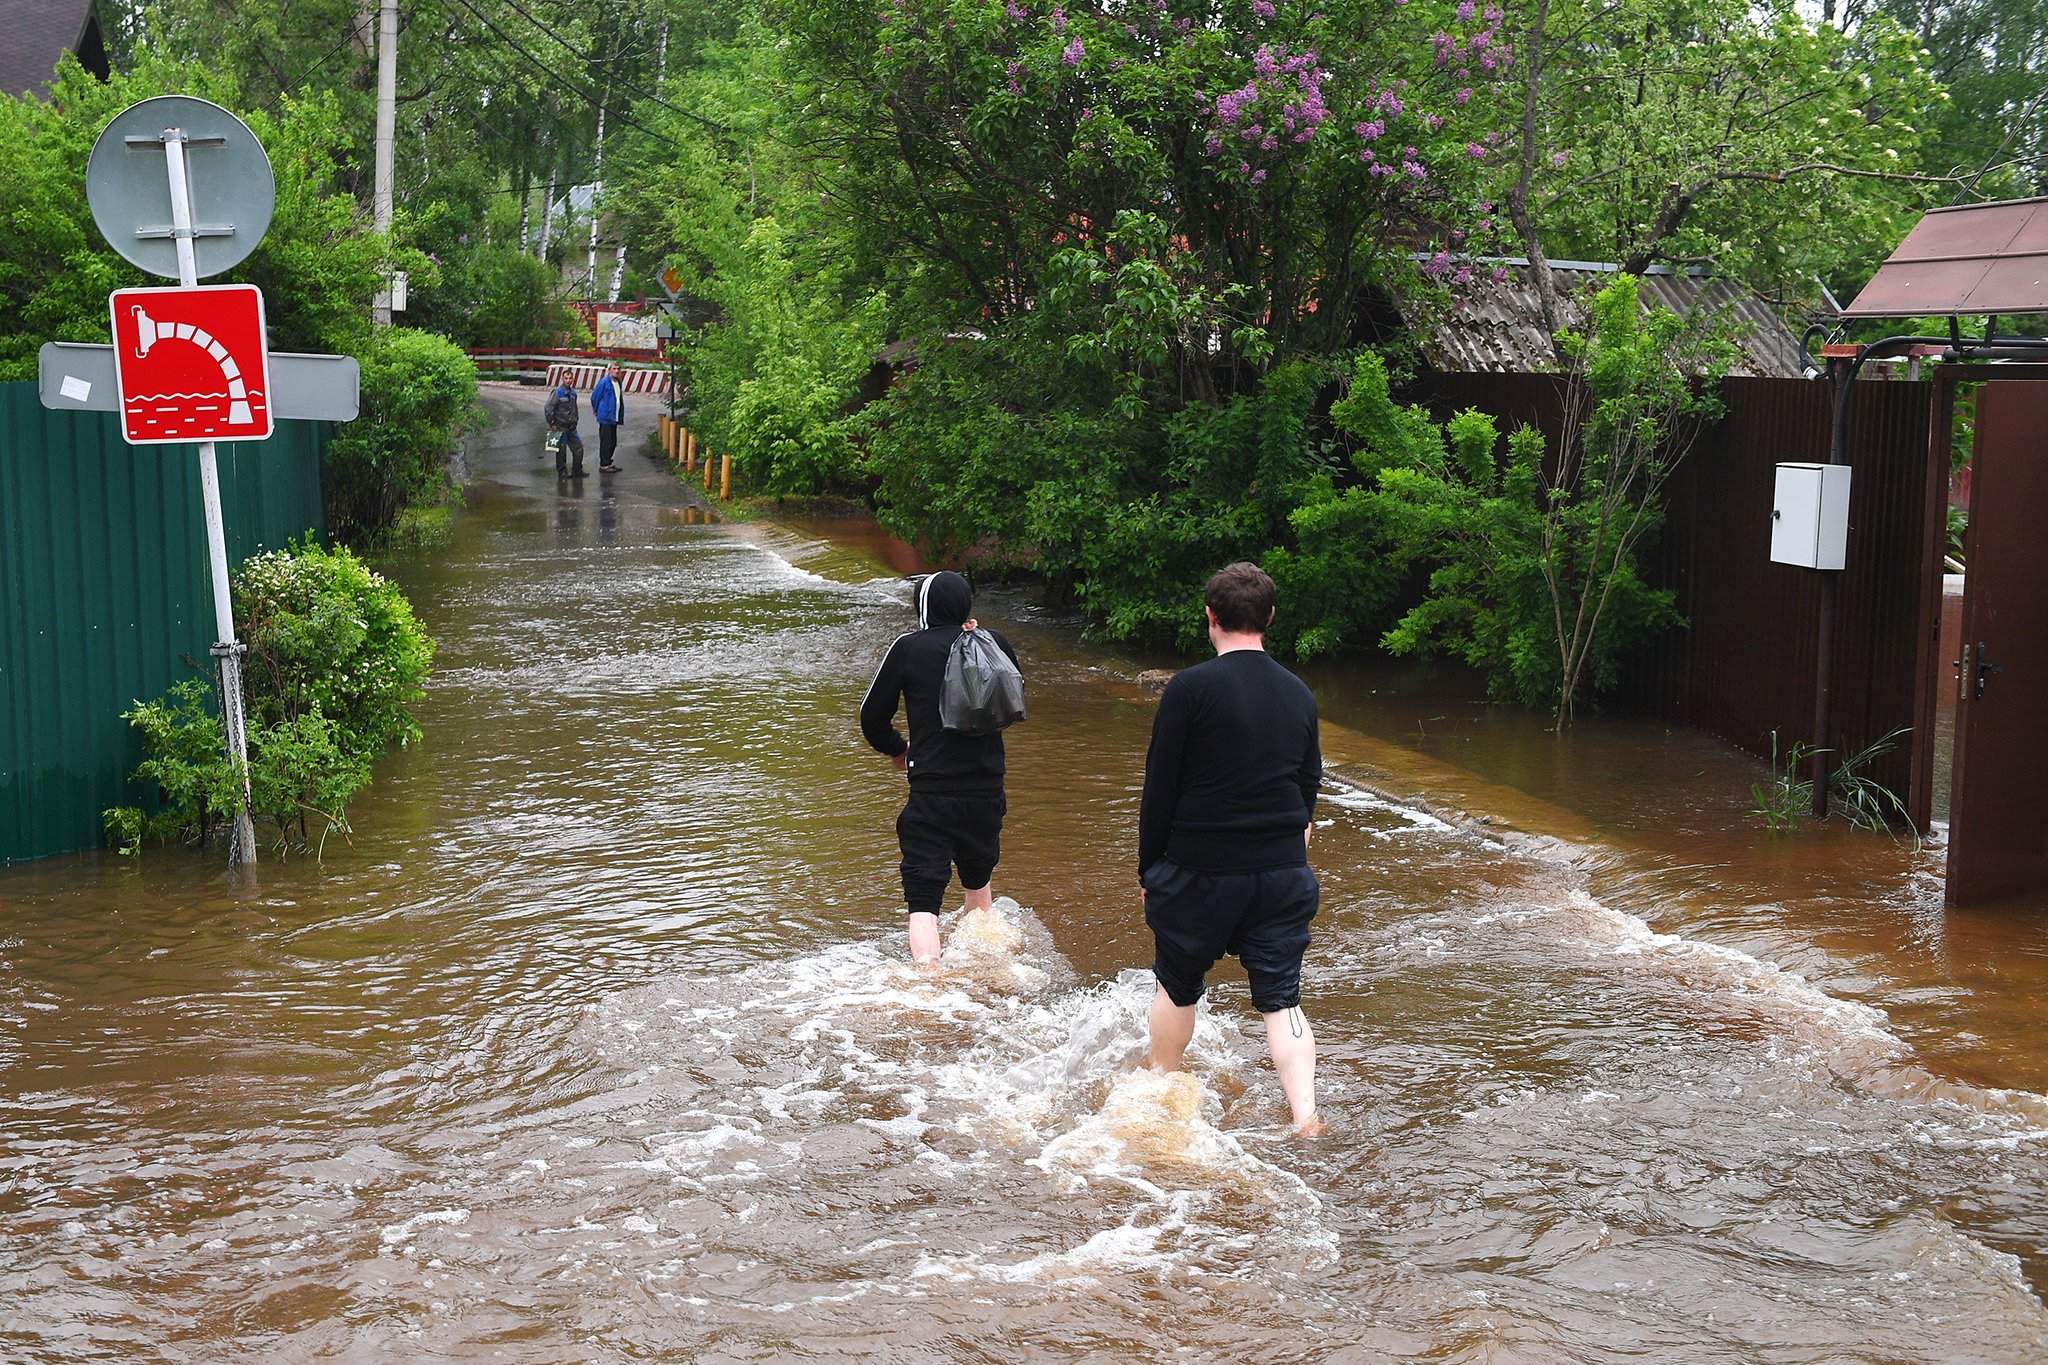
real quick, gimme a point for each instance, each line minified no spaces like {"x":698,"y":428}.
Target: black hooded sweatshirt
{"x":942,"y":761}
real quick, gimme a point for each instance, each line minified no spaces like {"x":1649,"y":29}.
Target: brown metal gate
{"x":1998,"y":821}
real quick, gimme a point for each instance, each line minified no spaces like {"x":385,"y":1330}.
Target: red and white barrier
{"x":630,"y":381}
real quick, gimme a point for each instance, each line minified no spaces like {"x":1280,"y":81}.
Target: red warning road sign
{"x":191,"y":363}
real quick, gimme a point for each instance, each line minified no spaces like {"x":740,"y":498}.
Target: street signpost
{"x":183,"y":189}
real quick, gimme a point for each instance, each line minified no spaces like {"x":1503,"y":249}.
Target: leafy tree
{"x":1742,"y":137}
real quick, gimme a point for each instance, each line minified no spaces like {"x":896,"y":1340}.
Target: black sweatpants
{"x":938,"y":833}
{"x":1260,"y":918}
{"x":607,"y":442}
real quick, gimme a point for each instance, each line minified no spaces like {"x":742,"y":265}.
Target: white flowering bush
{"x":336,"y":662}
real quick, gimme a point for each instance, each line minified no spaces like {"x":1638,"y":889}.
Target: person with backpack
{"x":608,"y":409}
{"x":1223,"y":831}
{"x":560,"y":415}
{"x":957,"y":693}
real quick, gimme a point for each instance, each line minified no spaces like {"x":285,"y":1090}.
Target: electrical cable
{"x":565,"y":45}
{"x":574,"y":88}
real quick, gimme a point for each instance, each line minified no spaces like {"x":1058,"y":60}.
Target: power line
{"x":565,"y":45}
{"x":574,"y":88}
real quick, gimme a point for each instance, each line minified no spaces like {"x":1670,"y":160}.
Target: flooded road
{"x":599,"y":1044}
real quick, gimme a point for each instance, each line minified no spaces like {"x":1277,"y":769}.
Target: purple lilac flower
{"x":1493,"y":14}
{"x":1263,"y":8}
{"x":1464,"y":11}
{"x":1557,"y":159}
{"x":1463,"y":96}
{"x":1414,"y":170}
{"x":1500,"y":274}
{"x":1072,"y":55}
{"x":1370,"y":131}
{"x":1244,"y":168}
{"x":1475,"y":151}
{"x":1259,"y":176}
{"x":1433,"y":121}
{"x":1267,"y":144}
{"x":1381,"y":168}
{"x":1464,"y":275}
{"x":1488,"y":62}
{"x":1059,"y":18}
{"x":1481,"y":39}
{"x":1212,"y":144}
{"x":1304,"y":135}
{"x":1438,"y":264}
{"x":1445,"y":45}
{"x":1014,"y":70}
{"x":1457,"y":235}
{"x":1263,"y":63}
{"x":1015,"y":10}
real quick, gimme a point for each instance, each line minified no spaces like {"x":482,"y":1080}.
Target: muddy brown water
{"x":597,"y":1043}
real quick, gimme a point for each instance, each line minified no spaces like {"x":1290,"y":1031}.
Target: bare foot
{"x":1310,"y":1127}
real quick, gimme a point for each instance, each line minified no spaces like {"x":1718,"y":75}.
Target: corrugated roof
{"x":37,"y":33}
{"x":1498,"y":327}
{"x":1973,"y":259}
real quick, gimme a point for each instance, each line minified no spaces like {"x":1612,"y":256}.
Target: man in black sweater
{"x":1223,"y":831}
{"x":955,"y":812}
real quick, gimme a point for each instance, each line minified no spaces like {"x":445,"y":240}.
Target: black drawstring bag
{"x":983,"y":692}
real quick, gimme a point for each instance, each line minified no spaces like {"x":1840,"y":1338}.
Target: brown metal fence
{"x":1744,"y":666}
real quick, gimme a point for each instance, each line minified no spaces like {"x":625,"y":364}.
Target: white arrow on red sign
{"x":192,"y":363}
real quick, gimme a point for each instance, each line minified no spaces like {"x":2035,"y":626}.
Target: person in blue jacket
{"x":608,"y":407}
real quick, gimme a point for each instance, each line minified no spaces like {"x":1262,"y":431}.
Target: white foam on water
{"x":982,"y":1068}
{"x":1851,"y":1039}
{"x":1356,"y":799}
{"x":403,"y":1231}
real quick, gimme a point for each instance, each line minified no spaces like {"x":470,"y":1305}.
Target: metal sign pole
{"x":242,"y":849}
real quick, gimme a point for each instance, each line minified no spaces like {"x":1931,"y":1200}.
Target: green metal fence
{"x":104,"y":597}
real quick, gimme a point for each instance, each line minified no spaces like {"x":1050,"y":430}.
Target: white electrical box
{"x":1810,"y":516}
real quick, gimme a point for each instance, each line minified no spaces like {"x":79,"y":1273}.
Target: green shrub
{"x":336,"y":662}
{"x":496,"y":295}
{"x":419,"y":391}
{"x":327,"y":635}
{"x":1537,"y":579}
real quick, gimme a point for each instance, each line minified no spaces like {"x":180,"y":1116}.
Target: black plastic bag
{"x":983,"y":692}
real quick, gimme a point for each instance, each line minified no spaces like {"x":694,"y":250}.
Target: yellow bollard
{"x":689,"y":451}
{"x":725,"y":477}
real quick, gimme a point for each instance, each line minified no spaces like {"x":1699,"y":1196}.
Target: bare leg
{"x":1172,"y":1027}
{"x":924,"y":938}
{"x":1293,"y":1045}
{"x":982,"y":899}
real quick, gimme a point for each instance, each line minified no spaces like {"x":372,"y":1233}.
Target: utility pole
{"x":387,"y":121}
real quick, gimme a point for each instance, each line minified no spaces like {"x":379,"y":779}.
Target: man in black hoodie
{"x":954,"y":816}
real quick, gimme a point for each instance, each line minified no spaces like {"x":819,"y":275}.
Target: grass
{"x":1864,"y":802}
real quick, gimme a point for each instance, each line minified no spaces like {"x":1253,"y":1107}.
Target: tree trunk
{"x":1518,"y":196}
{"x":547,"y":216}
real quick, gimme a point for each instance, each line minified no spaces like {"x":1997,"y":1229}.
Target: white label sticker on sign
{"x":76,"y":389}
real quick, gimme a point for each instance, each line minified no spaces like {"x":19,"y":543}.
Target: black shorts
{"x":1260,"y":918}
{"x":938,"y":833}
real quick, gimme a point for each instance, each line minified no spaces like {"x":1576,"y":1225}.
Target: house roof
{"x":1973,"y":259}
{"x":38,"y":32}
{"x":1498,"y":326}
